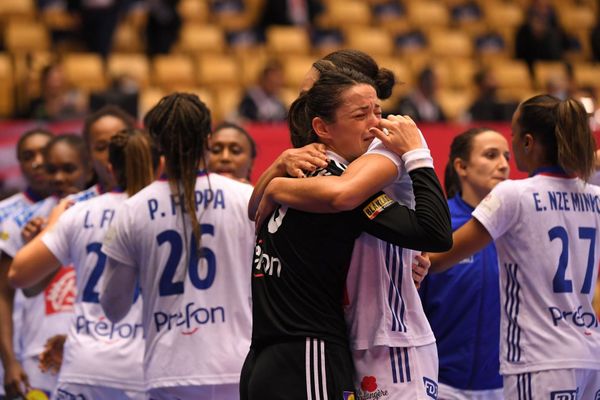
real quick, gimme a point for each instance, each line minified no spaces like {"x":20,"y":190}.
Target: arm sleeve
{"x":500,"y":210}
{"x":427,"y":228}
{"x":59,"y":237}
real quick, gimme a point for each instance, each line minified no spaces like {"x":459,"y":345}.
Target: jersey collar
{"x":165,"y":177}
{"x":336,"y":157}
{"x":32,"y":196}
{"x":553,"y":170}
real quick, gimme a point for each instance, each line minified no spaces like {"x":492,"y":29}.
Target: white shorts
{"x":75,"y":391}
{"x":204,"y":392}
{"x":554,"y":384}
{"x":451,"y":393}
{"x":396,"y":373}
{"x":38,"y":379}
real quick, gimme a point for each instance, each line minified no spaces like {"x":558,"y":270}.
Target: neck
{"x":470,"y":196}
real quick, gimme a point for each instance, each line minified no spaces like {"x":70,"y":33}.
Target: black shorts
{"x":299,"y":370}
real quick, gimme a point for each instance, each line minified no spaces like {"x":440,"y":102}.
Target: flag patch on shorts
{"x":348,"y":395}
{"x":376,"y":206}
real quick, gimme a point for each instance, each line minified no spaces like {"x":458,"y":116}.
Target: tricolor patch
{"x":376,"y":206}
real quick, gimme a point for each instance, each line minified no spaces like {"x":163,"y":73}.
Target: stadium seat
{"x":576,"y":16}
{"x":454,"y":103}
{"x":215,"y":71}
{"x":127,"y":39}
{"x":295,"y":69}
{"x":430,"y":14}
{"x":502,"y":15}
{"x":149,"y":97}
{"x":85,"y":71}
{"x":172,"y":72}
{"x":199,"y":38}
{"x":6,"y":86}
{"x":195,"y":11}
{"x":514,"y":81}
{"x":375,"y":41}
{"x":17,"y":10}
{"x":133,"y":65}
{"x":543,"y":71}
{"x":287,"y":40}
{"x":345,"y":14}
{"x":26,"y":36}
{"x":587,"y":74}
{"x":450,"y":43}
{"x":226,"y":100}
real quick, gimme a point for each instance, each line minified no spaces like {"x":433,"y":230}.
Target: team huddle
{"x":173,"y":278}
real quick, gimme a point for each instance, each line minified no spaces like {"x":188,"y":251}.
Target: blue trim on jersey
{"x":32,"y":196}
{"x":400,"y":364}
{"x":553,"y":170}
{"x":117,"y":189}
{"x":394,"y":267}
{"x":463,"y":308}
{"x":524,"y":386}
{"x":511,"y":308}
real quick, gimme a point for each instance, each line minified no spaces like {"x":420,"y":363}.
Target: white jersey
{"x":384,"y":307}
{"x":97,"y":352}
{"x":546,"y":234}
{"x":48,"y":313}
{"x":196,"y":312}
{"x":9,"y":206}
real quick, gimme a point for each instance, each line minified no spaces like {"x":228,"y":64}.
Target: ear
{"x":160,"y":168}
{"x":460,"y":166}
{"x":320,"y":128}
{"x":528,"y":143}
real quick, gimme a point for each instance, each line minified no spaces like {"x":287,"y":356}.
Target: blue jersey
{"x":463,"y":308}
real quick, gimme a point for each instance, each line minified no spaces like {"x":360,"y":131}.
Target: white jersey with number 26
{"x":196,"y":312}
{"x":547,"y":233}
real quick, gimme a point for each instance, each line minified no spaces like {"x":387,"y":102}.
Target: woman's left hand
{"x":420,"y":268}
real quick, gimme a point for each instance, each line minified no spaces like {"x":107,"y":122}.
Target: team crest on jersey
{"x":61,"y":291}
{"x":348,"y":395}
{"x":4,"y":235}
{"x":564,"y":395}
{"x":376,"y":206}
{"x":370,"y":390}
{"x":431,"y":387}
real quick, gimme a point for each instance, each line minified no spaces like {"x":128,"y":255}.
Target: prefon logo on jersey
{"x":578,"y":317}
{"x":190,"y":319}
{"x":107,"y":331}
{"x":564,"y":395}
{"x":59,"y":295}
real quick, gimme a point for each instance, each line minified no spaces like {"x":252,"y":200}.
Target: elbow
{"x":16,"y":279}
{"x":441,"y":243}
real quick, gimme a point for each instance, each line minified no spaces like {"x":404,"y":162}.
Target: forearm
{"x":467,"y":240}
{"x":427,"y":228}
{"x":118,"y":290}
{"x":325,"y":194}
{"x":32,"y":265}
{"x":275,"y":170}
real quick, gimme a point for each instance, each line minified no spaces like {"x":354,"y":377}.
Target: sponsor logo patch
{"x":431,"y":387}
{"x":564,"y":395}
{"x":4,"y":235}
{"x":376,"y":206}
{"x":60,"y":294}
{"x":348,"y":395}
{"x":370,"y":390}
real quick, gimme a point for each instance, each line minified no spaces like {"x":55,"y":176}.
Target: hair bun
{"x":384,"y":82}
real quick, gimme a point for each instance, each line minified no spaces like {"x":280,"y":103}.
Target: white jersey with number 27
{"x":547,"y":233}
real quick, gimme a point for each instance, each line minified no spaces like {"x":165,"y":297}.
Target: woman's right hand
{"x":296,"y":162}
{"x":399,"y":134}
{"x":16,"y":382}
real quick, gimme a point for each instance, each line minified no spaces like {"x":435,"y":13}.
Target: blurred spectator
{"x":162,"y":28}
{"x":468,"y":11}
{"x":98,"y":21}
{"x":123,"y":92}
{"x":540,"y":37}
{"x":261,"y":103}
{"x":420,"y":104}
{"x":288,"y":12}
{"x":57,"y":101}
{"x":487,"y":106}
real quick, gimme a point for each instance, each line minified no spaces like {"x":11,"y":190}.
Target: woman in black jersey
{"x":299,"y":345}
